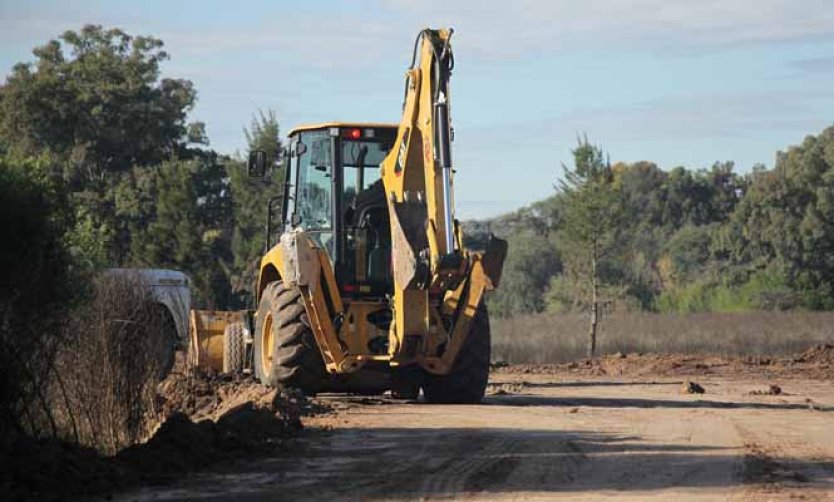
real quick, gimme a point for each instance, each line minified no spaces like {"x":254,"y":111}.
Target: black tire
{"x":233,"y":348}
{"x":405,"y":382}
{"x":467,"y":381}
{"x":286,"y":353}
{"x":167,"y":342}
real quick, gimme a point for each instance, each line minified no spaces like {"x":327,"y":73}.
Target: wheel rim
{"x":267,"y":342}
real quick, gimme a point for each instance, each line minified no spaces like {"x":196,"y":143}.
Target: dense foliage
{"x":35,"y":281}
{"x":142,"y":188}
{"x":703,"y":240}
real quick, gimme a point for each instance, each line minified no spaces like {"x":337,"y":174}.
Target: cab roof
{"x":327,"y":125}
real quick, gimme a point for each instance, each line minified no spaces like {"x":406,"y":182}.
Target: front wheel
{"x":286,"y":353}
{"x":234,"y":348}
{"x":467,"y":381}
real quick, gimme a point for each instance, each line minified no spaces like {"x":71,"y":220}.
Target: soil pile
{"x":207,"y":395}
{"x":204,"y":419}
{"x":690,"y":387}
{"x":817,"y":362}
{"x":818,"y":354}
{"x":626,"y":365}
{"x":210,"y":417}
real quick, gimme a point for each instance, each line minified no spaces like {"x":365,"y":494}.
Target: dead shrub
{"x":107,"y":369}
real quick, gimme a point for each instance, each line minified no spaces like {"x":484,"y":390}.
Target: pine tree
{"x":592,"y":214}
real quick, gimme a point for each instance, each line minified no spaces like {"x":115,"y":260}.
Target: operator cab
{"x":334,"y":192}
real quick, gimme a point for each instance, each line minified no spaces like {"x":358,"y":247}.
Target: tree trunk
{"x":592,"y":334}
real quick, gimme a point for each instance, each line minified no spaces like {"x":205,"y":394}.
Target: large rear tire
{"x":286,"y":353}
{"x":467,"y":381}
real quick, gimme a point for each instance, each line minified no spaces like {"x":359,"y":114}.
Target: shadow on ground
{"x":616,"y":402}
{"x":416,"y":462}
{"x":580,"y":384}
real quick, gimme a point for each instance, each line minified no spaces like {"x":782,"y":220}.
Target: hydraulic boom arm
{"x":427,"y":249}
{"x":418,"y":172}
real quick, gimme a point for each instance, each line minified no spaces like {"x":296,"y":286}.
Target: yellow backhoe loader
{"x":369,"y":286}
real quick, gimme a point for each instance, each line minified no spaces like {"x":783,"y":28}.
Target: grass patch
{"x":556,"y":338}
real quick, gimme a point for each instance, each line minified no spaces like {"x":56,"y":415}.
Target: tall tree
{"x":250,"y":203}
{"x":178,"y":215}
{"x":591,"y":216}
{"x":95,"y":98}
{"x":785,"y":223}
{"x":94,"y":101}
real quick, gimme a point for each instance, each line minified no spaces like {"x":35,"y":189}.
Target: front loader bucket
{"x":206,"y":337}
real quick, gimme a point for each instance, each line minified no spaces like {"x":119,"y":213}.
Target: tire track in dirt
{"x":775,"y":463}
{"x":554,"y":438}
{"x":456,"y":471}
{"x":507,"y":459}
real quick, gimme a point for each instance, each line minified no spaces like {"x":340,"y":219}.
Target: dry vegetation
{"x":98,"y":418}
{"x":107,"y":370}
{"x":92,"y":377}
{"x":555,"y":338}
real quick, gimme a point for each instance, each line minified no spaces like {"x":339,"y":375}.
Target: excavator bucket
{"x":206,"y":337}
{"x":493,"y":260}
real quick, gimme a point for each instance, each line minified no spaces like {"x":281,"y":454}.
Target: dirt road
{"x":555,"y":436}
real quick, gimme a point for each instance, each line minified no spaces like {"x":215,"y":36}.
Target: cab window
{"x":313,"y":192}
{"x":314,"y":182}
{"x":361,"y":160}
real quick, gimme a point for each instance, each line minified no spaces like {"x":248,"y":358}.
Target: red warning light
{"x":353,"y":133}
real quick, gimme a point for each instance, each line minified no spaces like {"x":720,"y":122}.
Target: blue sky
{"x":678,"y":82}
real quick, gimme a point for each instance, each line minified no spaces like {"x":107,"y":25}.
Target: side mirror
{"x":257,"y":164}
{"x":283,"y":153}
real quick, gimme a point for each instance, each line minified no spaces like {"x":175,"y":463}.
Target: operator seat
{"x":371,"y":211}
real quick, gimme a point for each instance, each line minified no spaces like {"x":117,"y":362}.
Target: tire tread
{"x":296,"y":360}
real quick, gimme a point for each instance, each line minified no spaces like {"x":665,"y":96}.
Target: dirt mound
{"x":181,"y":445}
{"x":772,"y":390}
{"x":626,"y":365}
{"x":208,"y":395}
{"x":203,"y":419}
{"x":817,"y":362}
{"x":818,"y":354}
{"x":207,"y":417}
{"x":690,"y":387}
{"x":201,"y":395}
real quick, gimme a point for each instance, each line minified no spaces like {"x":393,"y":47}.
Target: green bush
{"x":37,"y":285}
{"x":764,"y":290}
